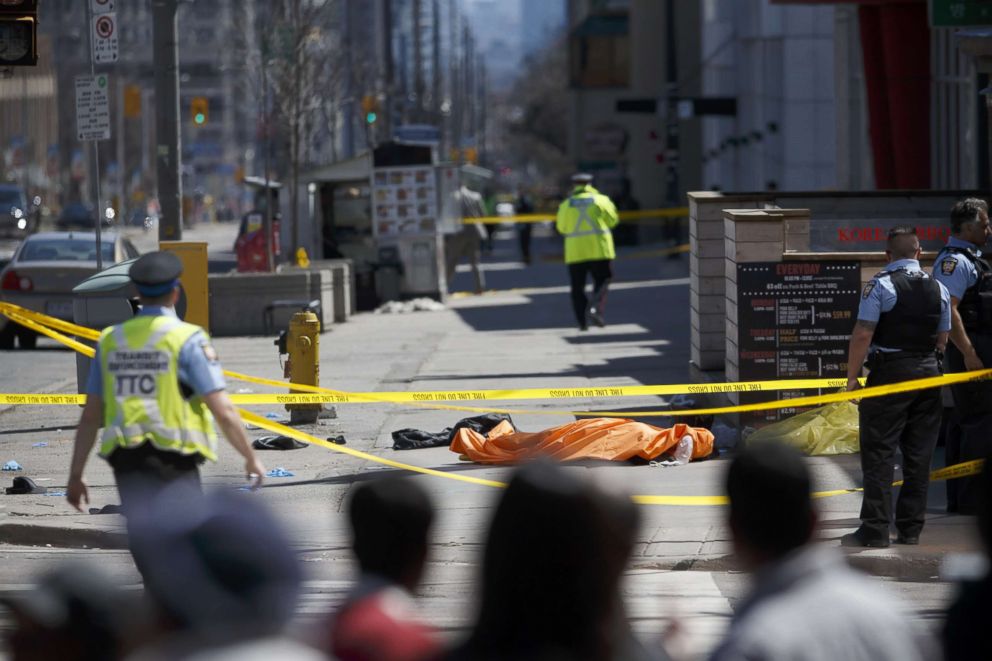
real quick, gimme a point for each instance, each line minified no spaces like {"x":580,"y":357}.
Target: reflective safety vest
{"x":585,"y":220}
{"x":142,"y":400}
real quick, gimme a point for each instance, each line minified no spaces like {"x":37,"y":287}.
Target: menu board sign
{"x":794,"y":322}
{"x":404,"y":201}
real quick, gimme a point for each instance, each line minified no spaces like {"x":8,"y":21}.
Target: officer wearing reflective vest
{"x":586,"y":219}
{"x":968,"y":277}
{"x":903,"y":321}
{"x":156,"y":388}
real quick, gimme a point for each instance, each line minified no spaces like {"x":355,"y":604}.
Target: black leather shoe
{"x":908,"y":540}
{"x":859,"y":538}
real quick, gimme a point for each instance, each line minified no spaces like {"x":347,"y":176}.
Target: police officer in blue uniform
{"x":156,"y":387}
{"x":902,"y":328}
{"x":968,"y":277}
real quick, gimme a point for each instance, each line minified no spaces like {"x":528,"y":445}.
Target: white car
{"x":43,"y":271}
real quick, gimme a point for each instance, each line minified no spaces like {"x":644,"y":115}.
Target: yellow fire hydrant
{"x":303,"y":364}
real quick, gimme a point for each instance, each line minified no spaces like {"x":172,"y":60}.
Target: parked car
{"x":44,"y":270}
{"x":15,"y":219}
{"x":77,"y":215}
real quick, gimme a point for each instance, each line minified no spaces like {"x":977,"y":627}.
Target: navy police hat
{"x":156,"y":273}
{"x":582,"y":178}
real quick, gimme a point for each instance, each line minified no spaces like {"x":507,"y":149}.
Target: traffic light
{"x":370,"y":105}
{"x":199,"y":109}
{"x":18,"y":33}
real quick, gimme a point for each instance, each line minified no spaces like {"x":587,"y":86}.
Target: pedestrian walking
{"x":903,"y":323}
{"x":526,"y":228}
{"x":467,"y":242}
{"x":968,"y":277}
{"x":806,"y":603}
{"x":586,"y":219}
{"x":156,"y":387}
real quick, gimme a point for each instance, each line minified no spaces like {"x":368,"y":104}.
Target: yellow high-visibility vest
{"x":142,"y":400}
{"x":585,"y":220}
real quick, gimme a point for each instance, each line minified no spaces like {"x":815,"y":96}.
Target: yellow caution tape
{"x":44,"y":399}
{"x":958,"y":470}
{"x":675,"y":212}
{"x":951,"y":472}
{"x":424,"y":399}
{"x":55,"y":335}
{"x":265,"y":423}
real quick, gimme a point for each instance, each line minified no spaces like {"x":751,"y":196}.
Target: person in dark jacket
{"x":903,"y":323}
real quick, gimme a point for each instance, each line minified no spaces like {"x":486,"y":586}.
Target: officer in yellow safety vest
{"x":156,"y":387}
{"x":585,"y":220}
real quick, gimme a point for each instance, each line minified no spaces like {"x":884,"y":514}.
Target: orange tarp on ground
{"x":612,"y":439}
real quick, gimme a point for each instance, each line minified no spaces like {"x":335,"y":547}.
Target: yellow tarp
{"x":830,"y":429}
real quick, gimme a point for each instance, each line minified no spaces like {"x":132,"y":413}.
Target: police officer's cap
{"x":582,"y":178}
{"x":156,"y":273}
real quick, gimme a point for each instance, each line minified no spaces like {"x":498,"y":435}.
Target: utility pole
{"x":419,"y":88}
{"x":388,"y":68}
{"x":455,"y":79}
{"x":121,"y":170}
{"x":165,"y":40}
{"x":483,"y":91}
{"x":671,"y":120}
{"x":98,"y":225}
{"x":436,"y":95}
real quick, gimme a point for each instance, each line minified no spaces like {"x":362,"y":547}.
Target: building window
{"x":600,"y":52}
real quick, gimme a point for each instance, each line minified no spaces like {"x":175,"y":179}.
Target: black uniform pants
{"x":905,"y":421}
{"x":143,"y":475}
{"x":602,"y":271}
{"x":143,"y":472}
{"x":969,"y":435}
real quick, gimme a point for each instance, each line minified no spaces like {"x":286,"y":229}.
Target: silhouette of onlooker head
{"x":390,"y":521}
{"x":555,"y":554}
{"x":966,"y":634}
{"x":771,"y":510}
{"x":806,"y":602}
{"x":74,"y":613}
{"x":219,"y":573}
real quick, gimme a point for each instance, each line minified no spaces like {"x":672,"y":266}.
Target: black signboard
{"x":794,"y":321}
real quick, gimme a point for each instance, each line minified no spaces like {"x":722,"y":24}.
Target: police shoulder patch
{"x":868,"y":288}
{"x":209,"y":352}
{"x":947,"y":265}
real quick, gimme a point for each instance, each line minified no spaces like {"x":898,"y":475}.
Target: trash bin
{"x":389,"y":274}
{"x":101,"y":300}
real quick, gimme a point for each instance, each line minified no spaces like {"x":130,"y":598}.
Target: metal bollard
{"x":303,"y":364}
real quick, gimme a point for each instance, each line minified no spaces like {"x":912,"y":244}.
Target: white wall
{"x":778,"y":61}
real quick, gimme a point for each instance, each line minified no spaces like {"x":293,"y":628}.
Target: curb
{"x":918,"y":567}
{"x":18,"y":534}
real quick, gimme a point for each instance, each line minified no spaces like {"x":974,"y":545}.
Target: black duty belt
{"x":879,"y":357}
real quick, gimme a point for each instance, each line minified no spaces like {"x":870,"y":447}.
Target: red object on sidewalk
{"x":252,"y":253}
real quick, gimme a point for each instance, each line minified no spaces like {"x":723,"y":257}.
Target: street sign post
{"x":92,"y":107}
{"x":104,"y":37}
{"x":102,"y":6}
{"x":960,"y":13}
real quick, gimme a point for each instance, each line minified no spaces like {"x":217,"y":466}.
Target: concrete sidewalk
{"x":520,"y":336}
